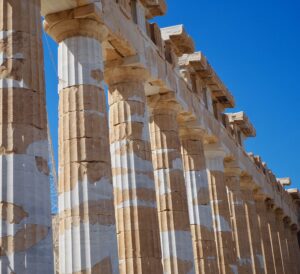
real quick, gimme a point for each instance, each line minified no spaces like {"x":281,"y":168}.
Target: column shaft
{"x":240,"y":223}
{"x":134,"y":188}
{"x":87,"y":235}
{"x":175,"y":233}
{"x":266,"y":245}
{"x":25,"y":211}
{"x":200,"y":213}
{"x":295,"y":250}
{"x":227,"y":258}
{"x":252,"y":224}
{"x":282,"y":241}
{"x":275,"y":244}
{"x":292,"y":265}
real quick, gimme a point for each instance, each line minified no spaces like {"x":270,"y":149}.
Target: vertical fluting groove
{"x":295,"y":250}
{"x":200,"y":213}
{"x":281,"y":238}
{"x":266,"y":245}
{"x":132,"y":169}
{"x":240,"y":224}
{"x":87,"y":233}
{"x":175,"y":232}
{"x":252,"y":223}
{"x":227,"y":258}
{"x":25,"y":230}
{"x":272,"y":230}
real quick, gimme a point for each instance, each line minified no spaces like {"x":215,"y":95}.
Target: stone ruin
{"x":164,"y":187}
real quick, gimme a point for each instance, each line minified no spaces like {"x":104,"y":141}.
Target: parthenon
{"x":157,"y":180}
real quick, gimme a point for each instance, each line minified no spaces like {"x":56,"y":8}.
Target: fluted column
{"x":280,"y":231}
{"x":263,"y":225}
{"x":239,"y":220}
{"x":227,"y":258}
{"x":87,"y":235}
{"x":275,"y":243}
{"x":200,"y":213}
{"x":25,"y":212}
{"x":294,"y":248}
{"x":247,"y":187}
{"x":175,"y":233}
{"x":134,"y":188}
{"x":290,"y":261}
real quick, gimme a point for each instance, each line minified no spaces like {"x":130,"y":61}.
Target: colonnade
{"x":142,"y":188}
{"x":180,"y":206}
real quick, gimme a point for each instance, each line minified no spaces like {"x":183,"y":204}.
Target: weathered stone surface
{"x":172,"y":202}
{"x":25,"y":218}
{"x":132,"y":170}
{"x":176,"y":209}
{"x":200,"y":211}
{"x":87,"y":241}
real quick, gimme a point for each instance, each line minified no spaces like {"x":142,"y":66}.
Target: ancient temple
{"x":157,"y":181}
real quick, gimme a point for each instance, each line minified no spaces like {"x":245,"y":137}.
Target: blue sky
{"x":255,"y":48}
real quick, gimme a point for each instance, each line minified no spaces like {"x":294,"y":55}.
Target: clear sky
{"x":255,"y":48}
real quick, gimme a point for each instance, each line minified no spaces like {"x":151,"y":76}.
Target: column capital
{"x":186,"y":133}
{"x":232,"y":168}
{"x":82,"y":21}
{"x":214,"y":151}
{"x":247,"y":183}
{"x":259,"y":196}
{"x":214,"y":156}
{"x":114,"y":75}
{"x":269,"y":204}
{"x":163,"y":103}
{"x":279,"y":213}
{"x":287,"y":221}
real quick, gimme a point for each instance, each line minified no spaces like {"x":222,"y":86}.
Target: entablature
{"x":285,"y":181}
{"x":155,"y":7}
{"x":205,"y":71}
{"x":239,"y":126}
{"x":241,"y":120}
{"x":178,"y":39}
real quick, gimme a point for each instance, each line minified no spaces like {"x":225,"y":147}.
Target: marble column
{"x":264,"y":235}
{"x":172,"y":205}
{"x":247,"y":187}
{"x":290,"y":259}
{"x":87,"y":233}
{"x":294,"y":247}
{"x":282,"y":240}
{"x":239,"y":220}
{"x":25,"y":211}
{"x":200,"y":213}
{"x":132,"y":169}
{"x":275,"y":243}
{"x":227,"y":258}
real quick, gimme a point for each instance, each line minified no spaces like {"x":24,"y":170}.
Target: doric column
{"x":25,"y":212}
{"x":263,"y":225}
{"x":290,"y":261}
{"x":87,"y":235}
{"x":134,"y":188}
{"x":281,"y":236}
{"x":175,"y":233}
{"x":247,"y":187}
{"x":294,"y":248}
{"x":227,"y":258}
{"x":199,"y":206}
{"x":275,"y":243}
{"x":239,"y":220}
